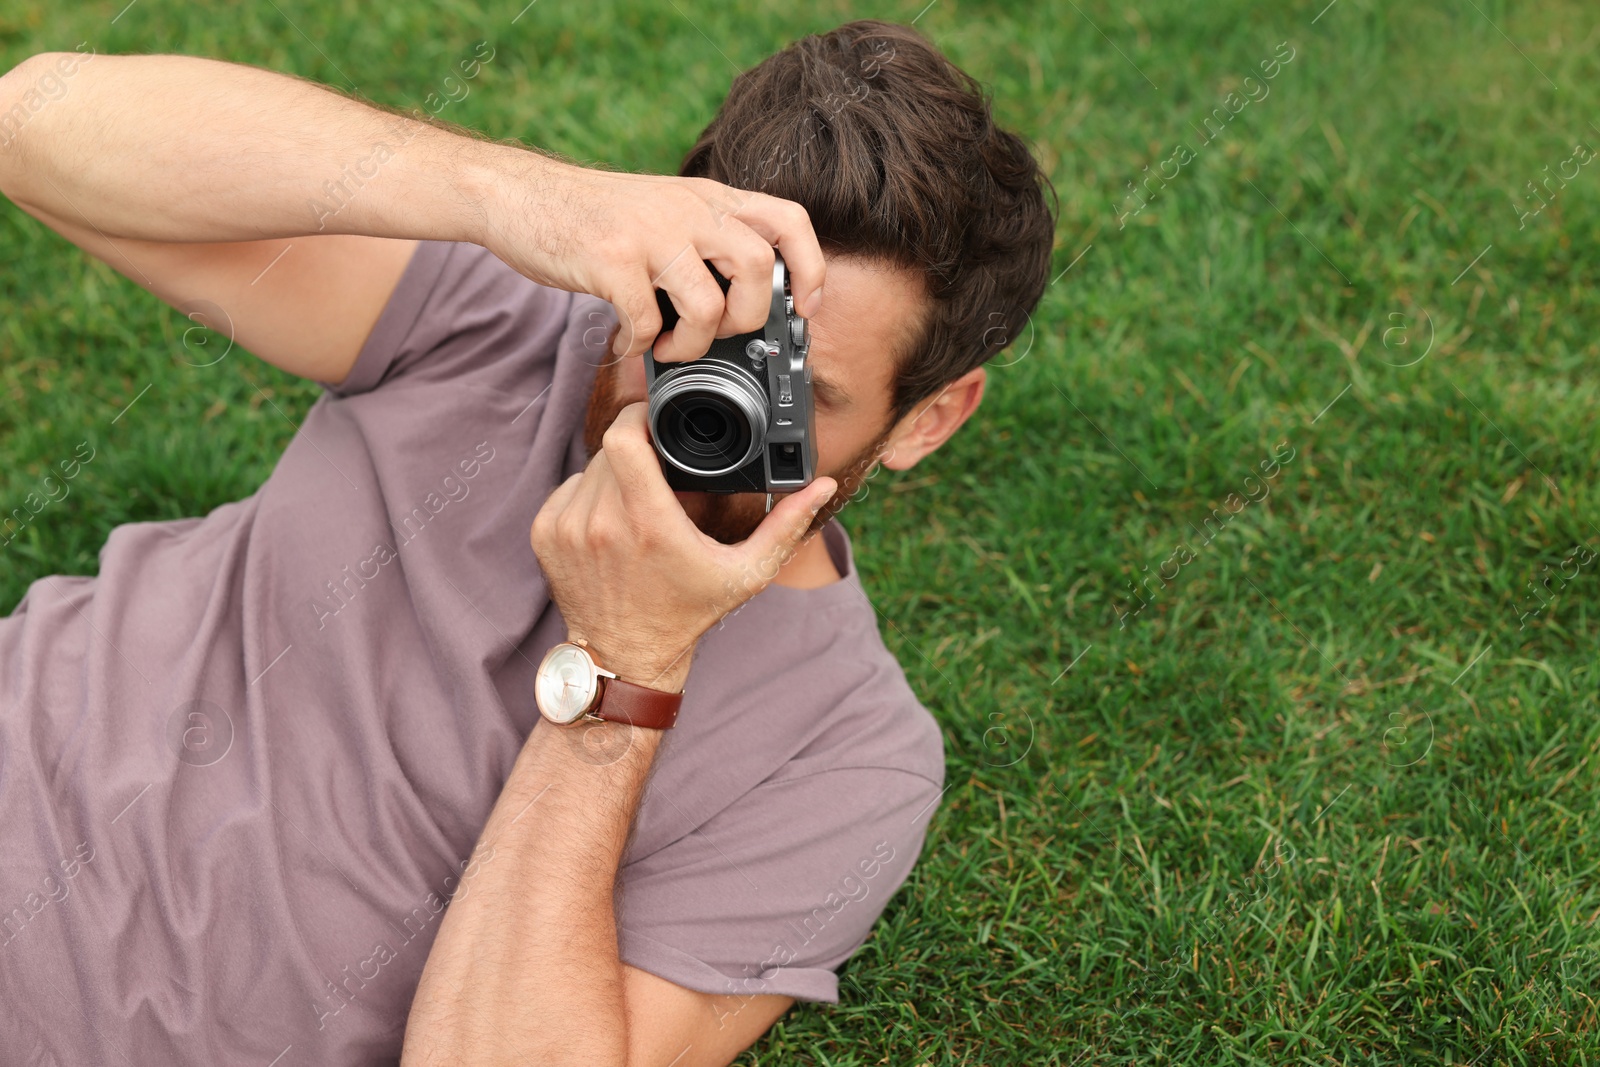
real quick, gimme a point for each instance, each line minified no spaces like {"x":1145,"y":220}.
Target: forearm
{"x":525,"y":968}
{"x":179,"y":148}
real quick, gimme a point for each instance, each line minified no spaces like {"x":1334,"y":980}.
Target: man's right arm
{"x":295,"y":209}
{"x":208,"y":181}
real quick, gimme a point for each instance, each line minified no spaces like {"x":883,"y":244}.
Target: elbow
{"x":28,"y":73}
{"x":31,"y":86}
{"x":13,"y":85}
{"x":21,"y":73}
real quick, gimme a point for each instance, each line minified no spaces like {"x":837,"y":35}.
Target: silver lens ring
{"x":724,"y":383}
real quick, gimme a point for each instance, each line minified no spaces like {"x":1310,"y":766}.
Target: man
{"x":246,"y":767}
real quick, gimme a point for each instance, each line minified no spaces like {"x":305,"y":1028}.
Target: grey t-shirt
{"x":243,"y":769}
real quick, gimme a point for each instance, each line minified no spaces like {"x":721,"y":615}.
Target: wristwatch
{"x":571,"y":687}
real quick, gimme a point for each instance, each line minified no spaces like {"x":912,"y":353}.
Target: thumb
{"x":780,"y":533}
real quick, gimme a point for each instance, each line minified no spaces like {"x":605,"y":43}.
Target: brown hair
{"x":894,"y":153}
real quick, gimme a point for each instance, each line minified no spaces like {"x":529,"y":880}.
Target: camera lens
{"x":707,"y":429}
{"x":708,"y":419}
{"x":706,"y":423}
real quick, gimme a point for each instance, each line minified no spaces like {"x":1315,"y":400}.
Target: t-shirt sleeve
{"x":774,"y":893}
{"x":458,"y":310}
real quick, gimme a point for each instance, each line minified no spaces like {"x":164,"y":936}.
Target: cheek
{"x":830,"y":447}
{"x":839,"y":441}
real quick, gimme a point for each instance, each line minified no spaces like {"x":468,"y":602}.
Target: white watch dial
{"x":566,"y":684}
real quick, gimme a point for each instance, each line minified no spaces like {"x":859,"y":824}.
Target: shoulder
{"x":819,"y":654}
{"x":795,"y":685}
{"x":788,"y":804}
{"x":460,"y":312}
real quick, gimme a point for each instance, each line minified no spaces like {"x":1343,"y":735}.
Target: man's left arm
{"x":525,"y":967}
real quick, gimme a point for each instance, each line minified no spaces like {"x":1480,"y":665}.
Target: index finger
{"x":635,"y":468}
{"x":787,"y":225}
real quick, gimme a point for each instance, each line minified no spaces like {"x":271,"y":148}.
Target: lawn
{"x":1259,"y":606}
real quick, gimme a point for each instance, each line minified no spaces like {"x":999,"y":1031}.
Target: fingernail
{"x":813,"y":304}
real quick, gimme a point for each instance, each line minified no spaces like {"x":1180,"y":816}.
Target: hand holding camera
{"x":630,"y":571}
{"x":622,"y":236}
{"x":633,"y":575}
{"x":739,"y":419}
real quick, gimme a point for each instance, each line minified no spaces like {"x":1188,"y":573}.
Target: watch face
{"x":566,"y":683}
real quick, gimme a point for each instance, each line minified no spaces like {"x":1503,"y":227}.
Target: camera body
{"x":739,"y":419}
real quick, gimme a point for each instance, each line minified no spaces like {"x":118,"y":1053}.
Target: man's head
{"x":935,"y":227}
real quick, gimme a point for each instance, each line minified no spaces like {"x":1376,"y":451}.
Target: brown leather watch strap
{"x":636,"y":705}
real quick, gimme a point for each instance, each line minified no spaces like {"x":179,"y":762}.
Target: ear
{"x":932,"y":422}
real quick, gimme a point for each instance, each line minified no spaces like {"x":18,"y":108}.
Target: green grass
{"x":1339,"y":678}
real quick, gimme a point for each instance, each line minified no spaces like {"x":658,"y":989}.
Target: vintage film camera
{"x":740,"y":418}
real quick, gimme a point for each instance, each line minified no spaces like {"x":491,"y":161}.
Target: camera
{"x":740,"y":418}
